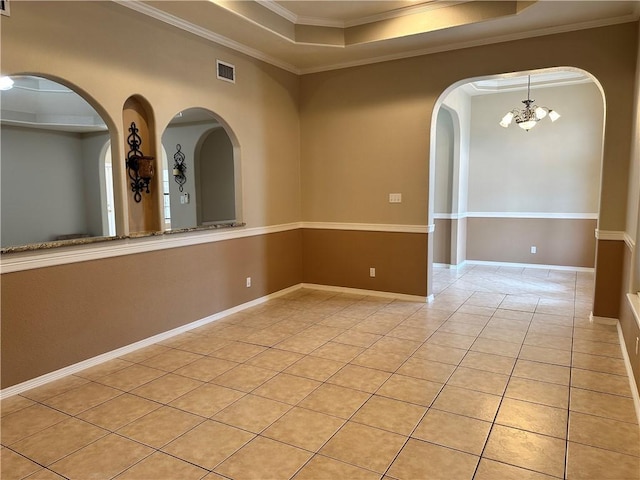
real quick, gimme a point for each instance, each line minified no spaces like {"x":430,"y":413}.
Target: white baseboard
{"x":450,"y":266}
{"x":602,"y":320}
{"x":530,"y":265}
{"x":632,"y":381}
{"x":105,"y":357}
{"x":372,"y":293}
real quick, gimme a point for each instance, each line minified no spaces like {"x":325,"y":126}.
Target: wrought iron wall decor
{"x":139,"y":166}
{"x":179,"y":167}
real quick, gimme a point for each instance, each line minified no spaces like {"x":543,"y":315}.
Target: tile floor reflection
{"x":502,"y":376}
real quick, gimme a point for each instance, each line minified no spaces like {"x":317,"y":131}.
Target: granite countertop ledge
{"x":32,"y":247}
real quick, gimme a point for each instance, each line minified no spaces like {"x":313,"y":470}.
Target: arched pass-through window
{"x":53,"y":174}
{"x":204,"y":191}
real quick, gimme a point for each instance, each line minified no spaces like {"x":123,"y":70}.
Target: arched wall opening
{"x":53,"y":146}
{"x":526,"y":198}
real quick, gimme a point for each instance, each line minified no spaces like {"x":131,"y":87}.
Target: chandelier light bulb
{"x":6,"y":83}
{"x":540,"y":113}
{"x":506,"y":120}
{"x":528,"y":125}
{"x":553,"y":115}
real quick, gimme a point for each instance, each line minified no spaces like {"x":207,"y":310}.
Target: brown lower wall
{"x":343,"y":258}
{"x":564,"y":242}
{"x":442,"y":241}
{"x":58,"y":316}
{"x":610,"y":275}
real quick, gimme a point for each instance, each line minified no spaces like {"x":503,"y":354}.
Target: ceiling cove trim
{"x":252,"y":52}
{"x":473,"y":43}
{"x":206,"y":34}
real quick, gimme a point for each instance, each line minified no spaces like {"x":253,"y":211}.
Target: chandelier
{"x":528,"y":117}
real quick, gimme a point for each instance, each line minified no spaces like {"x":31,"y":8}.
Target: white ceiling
{"x":310,"y":36}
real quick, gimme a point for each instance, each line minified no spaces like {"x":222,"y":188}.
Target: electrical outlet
{"x":534,"y":249}
{"x":248,"y":282}
{"x":372,"y":272}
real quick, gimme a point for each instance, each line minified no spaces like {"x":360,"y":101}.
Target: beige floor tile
{"x":503,"y":334}
{"x":340,"y":352}
{"x":603,"y":405}
{"x":160,"y":466}
{"x":58,"y":441}
{"x":510,"y":324}
{"x":131,"y":377}
{"x":517,"y":315}
{"x":364,"y":446}
{"x":409,"y":389}
{"x":244,"y":377}
{"x":82,"y":398}
{"x":440,"y":353}
{"x":160,"y":426}
{"x":400,"y":346}
{"x":585,"y":463}
{"x":207,"y":400}
{"x":13,"y":404}
{"x":544,"y":372}
{"x":28,"y":421}
{"x":377,"y":324}
{"x":304,"y":428}
{"x":604,"y":433}
{"x":209,"y":444}
{"x":44,"y":474}
{"x":267,"y":337}
{"x":460,"y":328}
{"x":470,"y":403}
{"x":451,"y":340}
{"x":335,"y":400}
{"x":470,"y":309}
{"x":597,"y":348}
{"x":167,"y":388}
{"x":322,"y":332}
{"x":359,"y":378}
{"x":119,"y":411}
{"x":453,"y":431}
{"x":550,"y":319}
{"x":408,"y":332}
{"x":497,"y":347}
{"x":264,"y":458}
{"x":324,"y":468}
{"x":341,"y":320}
{"x":287,"y":388}
{"x":380,"y":360}
{"x":206,"y":368}
{"x":597,"y":335}
{"x":315,"y":368}
{"x":527,"y":450}
{"x":533,"y":417}
{"x":203,"y":344}
{"x":104,"y":458}
{"x":480,"y":380}
{"x":301,"y":344}
{"x":488,"y":362}
{"x":426,"y":369}
{"x":422,"y":460}
{"x":142,"y":354}
{"x":389,"y":414}
{"x":55,"y":388}
{"x":103,"y":369}
{"x":550,"y":394}
{"x":171,"y":360}
{"x":600,"y":382}
{"x":274,"y":359}
{"x":543,"y":328}
{"x":252,"y":413}
{"x":492,"y":470}
{"x":238,"y":352}
{"x":548,"y":341}
{"x":14,"y":466}
{"x":598,"y":363}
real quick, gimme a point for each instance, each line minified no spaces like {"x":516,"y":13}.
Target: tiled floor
{"x":501,"y":377}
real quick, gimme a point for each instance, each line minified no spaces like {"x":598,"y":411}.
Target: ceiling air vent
{"x":226,"y":71}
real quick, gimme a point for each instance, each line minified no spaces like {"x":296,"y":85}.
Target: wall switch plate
{"x":534,"y":249}
{"x":248,"y":282}
{"x":372,"y":272}
{"x":395,"y":198}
